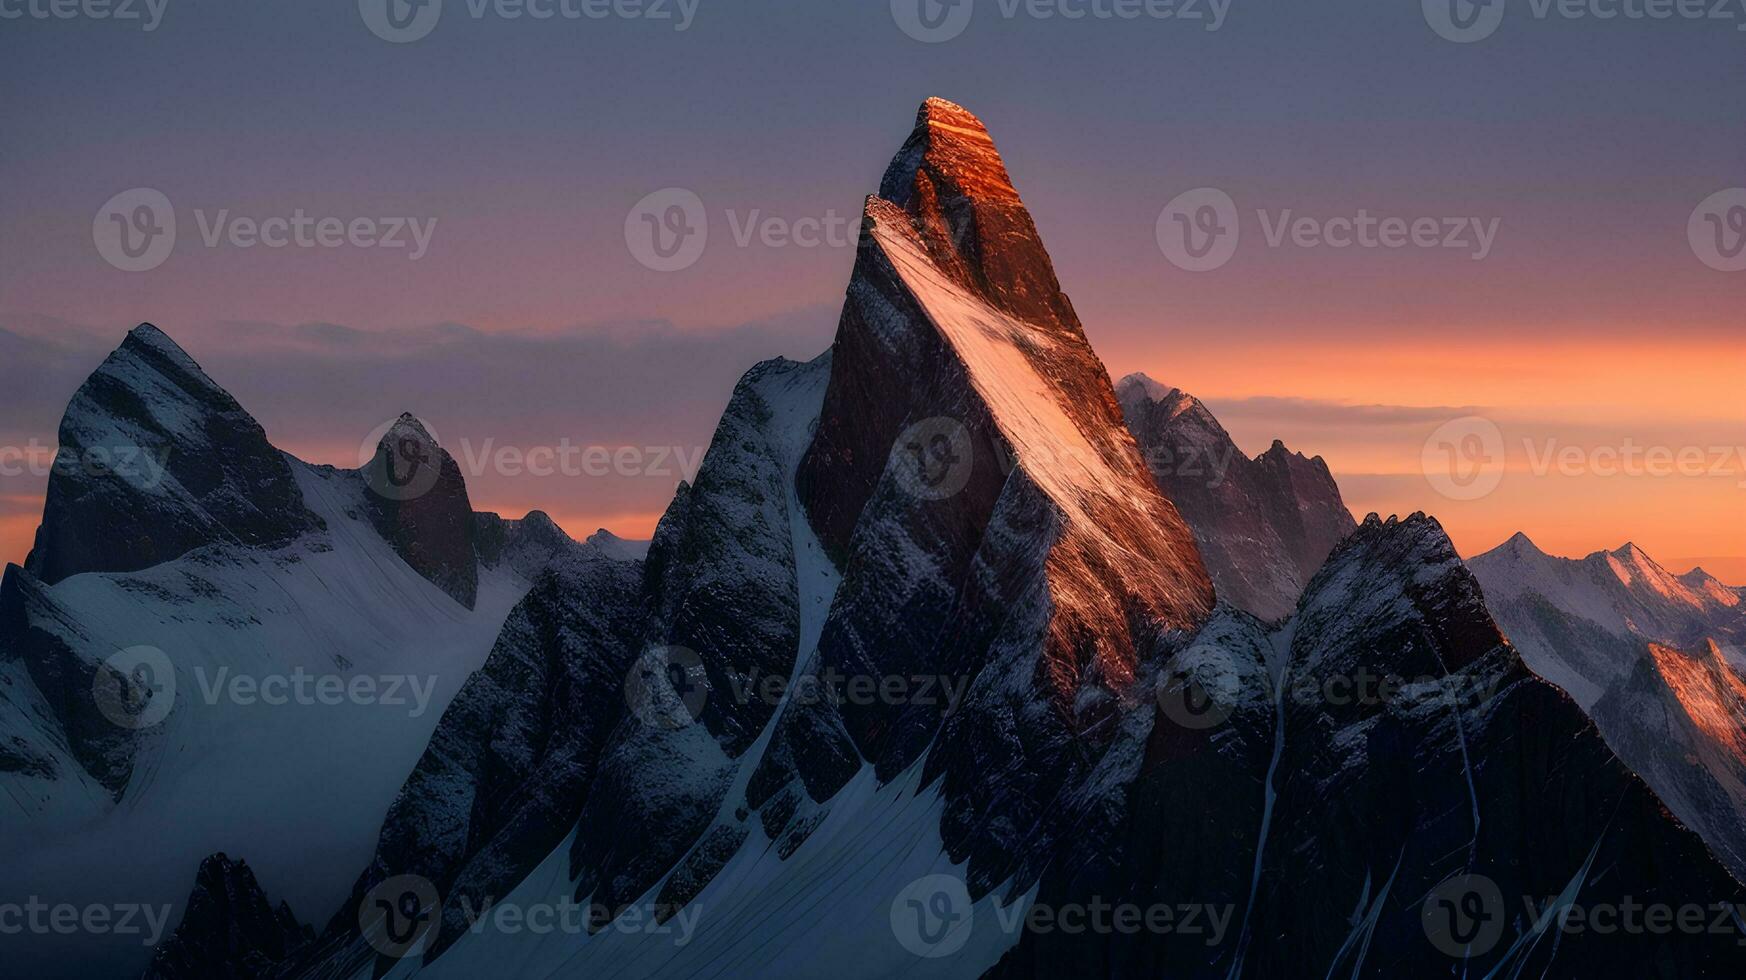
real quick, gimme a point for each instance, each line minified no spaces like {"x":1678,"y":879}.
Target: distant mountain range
{"x":950,"y":640}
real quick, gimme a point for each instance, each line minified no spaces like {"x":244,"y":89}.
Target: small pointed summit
{"x":155,"y":460}
{"x":1520,"y":544}
{"x":418,"y":503}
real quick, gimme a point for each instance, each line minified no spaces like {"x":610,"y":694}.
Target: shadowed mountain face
{"x":1332,"y":815}
{"x":154,"y":461}
{"x":1656,"y":660}
{"x":170,"y":657}
{"x":927,"y":647}
{"x":1264,"y":525}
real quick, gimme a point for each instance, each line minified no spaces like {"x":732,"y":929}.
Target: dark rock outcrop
{"x":229,"y":930}
{"x":1264,"y":525}
{"x":418,"y":503}
{"x":156,"y":460}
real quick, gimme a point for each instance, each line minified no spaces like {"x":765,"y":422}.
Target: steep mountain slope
{"x":1264,"y":525}
{"x":924,"y":650}
{"x":1655,"y":660}
{"x":245,"y":679}
{"x":1378,"y":800}
{"x":1582,"y":623}
{"x":156,"y":460}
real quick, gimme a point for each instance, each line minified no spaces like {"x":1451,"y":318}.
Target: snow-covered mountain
{"x":926,"y":655}
{"x":1264,"y":525}
{"x":1656,"y":660}
{"x":226,"y":597}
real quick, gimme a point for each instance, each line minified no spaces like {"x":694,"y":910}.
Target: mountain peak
{"x":418,"y":502}
{"x":155,"y":460}
{"x":950,"y":180}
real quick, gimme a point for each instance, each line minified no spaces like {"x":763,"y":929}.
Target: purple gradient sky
{"x":1590,"y":142}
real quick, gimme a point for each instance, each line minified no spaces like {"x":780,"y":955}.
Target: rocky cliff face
{"x":1655,"y":660}
{"x":926,"y":616}
{"x":418,"y":502}
{"x":1264,"y":525}
{"x":229,"y":930}
{"x":1415,"y":760}
{"x":156,"y":460}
